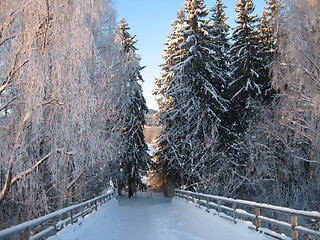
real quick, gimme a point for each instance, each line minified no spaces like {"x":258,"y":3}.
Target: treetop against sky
{"x":151,"y":22}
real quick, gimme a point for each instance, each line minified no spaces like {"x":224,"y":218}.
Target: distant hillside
{"x":151,"y":118}
{"x":152,"y":112}
{"x":151,"y":129}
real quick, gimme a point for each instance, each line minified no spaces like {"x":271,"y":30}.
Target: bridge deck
{"x":155,"y":218}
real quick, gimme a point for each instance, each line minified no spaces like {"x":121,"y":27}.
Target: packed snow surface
{"x":151,"y":149}
{"x":155,"y":218}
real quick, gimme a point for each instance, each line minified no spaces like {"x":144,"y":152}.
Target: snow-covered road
{"x":155,"y":218}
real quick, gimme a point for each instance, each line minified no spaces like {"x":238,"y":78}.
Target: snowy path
{"x":155,"y":219}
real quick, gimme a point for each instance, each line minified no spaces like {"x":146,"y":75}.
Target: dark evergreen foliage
{"x":165,"y":154}
{"x":246,"y":83}
{"x":134,"y":158}
{"x":219,"y":31}
{"x":192,"y":100}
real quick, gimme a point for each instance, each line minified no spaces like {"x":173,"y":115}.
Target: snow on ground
{"x":155,"y":218}
{"x":151,"y":149}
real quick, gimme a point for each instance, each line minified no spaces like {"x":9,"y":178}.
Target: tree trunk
{"x":130,"y":186}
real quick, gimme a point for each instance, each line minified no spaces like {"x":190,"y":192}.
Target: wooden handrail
{"x":216,"y":202}
{"x":75,"y":211}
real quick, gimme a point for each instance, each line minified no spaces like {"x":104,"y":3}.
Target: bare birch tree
{"x":49,"y":88}
{"x":298,"y":81}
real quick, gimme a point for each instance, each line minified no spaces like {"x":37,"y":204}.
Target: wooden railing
{"x":55,"y":221}
{"x":240,"y":209}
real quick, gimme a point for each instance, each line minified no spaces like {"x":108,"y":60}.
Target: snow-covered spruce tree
{"x":281,"y":141}
{"x":249,"y":85}
{"x":248,"y":81}
{"x":254,"y":146}
{"x":215,"y":173}
{"x":162,"y":168}
{"x":133,"y":156}
{"x":272,"y":25}
{"x":219,"y":30}
{"x":271,"y":31}
{"x":192,"y":99}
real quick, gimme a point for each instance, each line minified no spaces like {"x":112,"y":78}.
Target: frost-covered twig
{"x":10,"y":180}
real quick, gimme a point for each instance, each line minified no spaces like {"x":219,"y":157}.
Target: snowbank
{"x":208,"y":226}
{"x":92,"y":226}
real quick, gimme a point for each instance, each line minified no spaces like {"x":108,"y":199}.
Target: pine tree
{"x":128,"y":42}
{"x":192,"y":96}
{"x":221,"y":45}
{"x":270,"y":32}
{"x":267,"y":46}
{"x":172,"y":57}
{"x":163,"y":169}
{"x":247,"y":82}
{"x":219,"y":31}
{"x":134,"y":158}
{"x":273,"y":25}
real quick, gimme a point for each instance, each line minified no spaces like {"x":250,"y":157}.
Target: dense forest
{"x":239,"y":108}
{"x":71,"y":106}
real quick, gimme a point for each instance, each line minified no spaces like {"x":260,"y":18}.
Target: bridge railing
{"x":235,"y":209}
{"x":55,"y":221}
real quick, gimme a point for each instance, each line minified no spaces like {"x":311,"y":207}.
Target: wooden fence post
{"x":54,"y":224}
{"x":257,"y":212}
{"x":294,"y":223}
{"x":82,"y":212}
{"x":234,"y":207}
{"x":26,"y":234}
{"x":71,"y":216}
{"x":208,"y":207}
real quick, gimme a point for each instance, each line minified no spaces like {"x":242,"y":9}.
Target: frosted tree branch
{"x":10,"y":180}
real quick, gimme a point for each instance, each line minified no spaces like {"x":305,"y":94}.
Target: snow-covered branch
{"x":11,"y":180}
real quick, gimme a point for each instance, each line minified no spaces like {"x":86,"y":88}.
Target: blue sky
{"x":151,"y":21}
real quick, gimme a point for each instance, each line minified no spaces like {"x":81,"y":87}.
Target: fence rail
{"x":56,"y":220}
{"x":234,"y":209}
